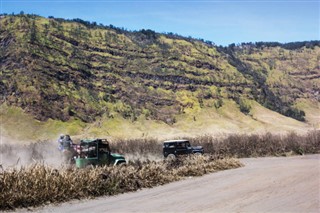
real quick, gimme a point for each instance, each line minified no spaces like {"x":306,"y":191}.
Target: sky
{"x":220,"y":21}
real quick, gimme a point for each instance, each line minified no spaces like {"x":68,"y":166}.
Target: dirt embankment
{"x":274,"y":184}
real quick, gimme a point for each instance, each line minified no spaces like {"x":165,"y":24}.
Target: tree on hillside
{"x":33,"y":32}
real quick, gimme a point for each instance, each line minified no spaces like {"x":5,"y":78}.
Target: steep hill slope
{"x":105,"y":80}
{"x":290,"y":73}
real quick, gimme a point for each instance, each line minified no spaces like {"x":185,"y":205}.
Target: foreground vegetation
{"x":38,"y":184}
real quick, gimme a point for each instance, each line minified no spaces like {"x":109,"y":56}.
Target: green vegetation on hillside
{"x":60,"y":69}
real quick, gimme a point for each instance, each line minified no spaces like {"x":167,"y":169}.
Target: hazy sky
{"x":222,"y":22}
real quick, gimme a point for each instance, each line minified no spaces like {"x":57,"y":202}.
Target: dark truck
{"x":172,"y":148}
{"x":96,"y":152}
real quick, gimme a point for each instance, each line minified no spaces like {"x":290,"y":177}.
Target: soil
{"x":271,"y":184}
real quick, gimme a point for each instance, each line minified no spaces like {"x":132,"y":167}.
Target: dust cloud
{"x":147,"y":157}
{"x":14,"y":154}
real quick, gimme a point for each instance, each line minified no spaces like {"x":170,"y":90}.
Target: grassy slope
{"x":292,"y":75}
{"x":227,"y":119}
{"x":105,"y":83}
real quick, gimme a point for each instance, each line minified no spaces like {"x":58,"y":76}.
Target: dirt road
{"x":290,"y":184}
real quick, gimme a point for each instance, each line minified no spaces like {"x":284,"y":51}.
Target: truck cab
{"x":180,"y":147}
{"x":96,"y":152}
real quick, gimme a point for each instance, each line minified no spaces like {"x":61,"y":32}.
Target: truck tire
{"x":171,"y":157}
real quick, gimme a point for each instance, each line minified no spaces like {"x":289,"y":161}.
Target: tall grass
{"x":234,"y":145}
{"x":38,"y":184}
{"x":257,"y":145}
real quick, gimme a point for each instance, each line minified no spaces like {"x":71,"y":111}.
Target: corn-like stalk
{"x":38,"y":184}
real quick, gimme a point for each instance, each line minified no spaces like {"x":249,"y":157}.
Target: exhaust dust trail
{"x":15,"y":154}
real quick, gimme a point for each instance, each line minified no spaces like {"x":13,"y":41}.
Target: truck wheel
{"x":171,"y":157}
{"x":89,"y":166}
{"x":120,"y":163}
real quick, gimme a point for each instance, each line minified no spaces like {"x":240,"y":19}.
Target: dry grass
{"x":38,"y":184}
{"x":259,"y":145}
{"x":233,"y":145}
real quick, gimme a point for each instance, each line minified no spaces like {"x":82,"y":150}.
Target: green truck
{"x":96,"y":152}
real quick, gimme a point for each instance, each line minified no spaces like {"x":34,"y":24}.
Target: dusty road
{"x":273,"y":184}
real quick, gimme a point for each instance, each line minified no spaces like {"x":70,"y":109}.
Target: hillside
{"x":79,"y":77}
